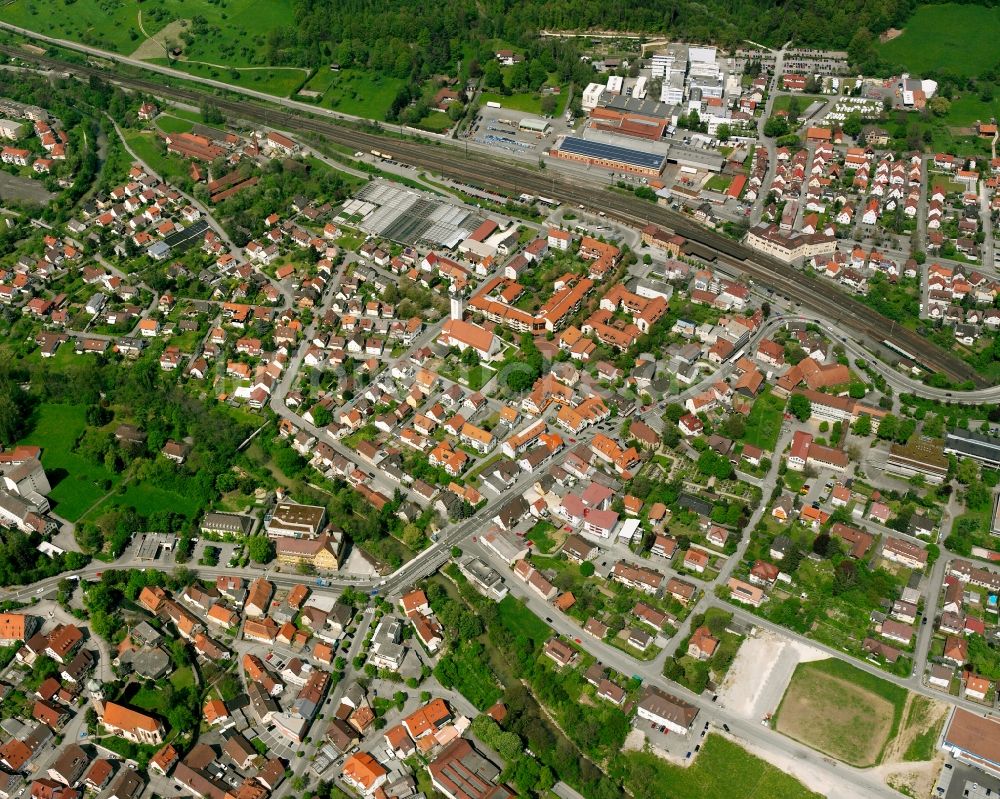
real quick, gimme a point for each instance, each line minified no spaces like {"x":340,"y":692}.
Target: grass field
{"x":147,"y":498}
{"x":782,"y":102}
{"x":924,"y":721}
{"x":465,"y":668}
{"x":146,"y":148}
{"x":318,"y":166}
{"x":110,"y":26}
{"x":182,"y":678}
{"x":172,"y":124}
{"x":77,"y":483}
{"x":152,"y":699}
{"x":541,"y":535}
{"x":518,"y":619}
{"x":436,"y":122}
{"x":967,"y":109}
{"x":356,"y":92}
{"x":526,"y":102}
{"x":321,"y":81}
{"x":183,"y":113}
{"x":234,"y":31}
{"x":960,"y":38}
{"x":723,"y":770}
{"x":280,"y":81}
{"x":718,"y":183}
{"x":946,"y":184}
{"x":764,"y":422}
{"x":841,"y":711}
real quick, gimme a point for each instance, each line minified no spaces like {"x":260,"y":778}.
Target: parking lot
{"x":28,"y":190}
{"x":681,"y":749}
{"x":225,"y":550}
{"x":965,"y":782}
{"x":499,"y":128}
{"x":277,"y":744}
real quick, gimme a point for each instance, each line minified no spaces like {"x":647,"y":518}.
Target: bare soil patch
{"x":913,"y":779}
{"x":836,"y":717}
{"x":154,"y":46}
{"x":21,"y":189}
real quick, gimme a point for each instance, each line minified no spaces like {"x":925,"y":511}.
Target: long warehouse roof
{"x":611,"y":152}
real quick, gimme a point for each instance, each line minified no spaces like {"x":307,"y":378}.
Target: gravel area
{"x":760,"y":673}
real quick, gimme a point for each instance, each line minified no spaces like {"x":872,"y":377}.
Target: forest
{"x":400,"y":38}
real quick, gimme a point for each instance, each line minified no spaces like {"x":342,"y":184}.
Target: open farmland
{"x":841,"y":711}
{"x":959,"y":38}
{"x":231,"y":34}
{"x":355,"y":92}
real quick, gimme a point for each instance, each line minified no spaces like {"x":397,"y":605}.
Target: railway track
{"x":477,"y":169}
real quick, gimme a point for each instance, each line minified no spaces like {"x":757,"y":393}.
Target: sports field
{"x":959,"y":38}
{"x":841,"y":711}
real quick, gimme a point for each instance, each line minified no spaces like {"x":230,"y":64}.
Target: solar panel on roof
{"x":183,"y":240}
{"x":611,"y":152}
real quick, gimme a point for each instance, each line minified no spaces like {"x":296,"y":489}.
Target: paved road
{"x":988,"y":246}
{"x":767,"y":141}
{"x":811,"y":292}
{"x":432,"y":558}
{"x":920,"y":235}
{"x":216,"y":84}
{"x":838,"y":780}
{"x":234,"y":251}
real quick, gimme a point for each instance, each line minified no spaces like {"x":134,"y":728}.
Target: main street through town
{"x":841,"y":780}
